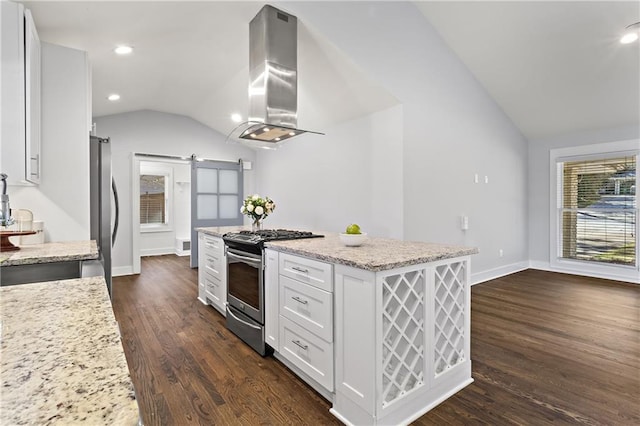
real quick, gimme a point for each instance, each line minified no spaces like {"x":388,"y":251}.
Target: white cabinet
{"x":32,"y":99}
{"x":271,"y":300}
{"x":212,"y":271}
{"x":20,"y":100}
{"x":306,"y":316}
{"x":402,"y":340}
{"x":202,"y":286}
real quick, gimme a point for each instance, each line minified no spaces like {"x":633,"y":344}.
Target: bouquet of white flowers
{"x":257,"y":208}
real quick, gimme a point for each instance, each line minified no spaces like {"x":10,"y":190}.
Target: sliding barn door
{"x":216,"y":197}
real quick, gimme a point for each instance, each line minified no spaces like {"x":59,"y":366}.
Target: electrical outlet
{"x":486,"y":179}
{"x":475,"y":178}
{"x":500,"y":253}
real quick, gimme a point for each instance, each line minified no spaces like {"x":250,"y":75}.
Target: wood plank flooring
{"x":546,"y":348}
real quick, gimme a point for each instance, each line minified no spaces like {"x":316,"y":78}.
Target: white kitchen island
{"x":400,"y":316}
{"x":381,"y":330}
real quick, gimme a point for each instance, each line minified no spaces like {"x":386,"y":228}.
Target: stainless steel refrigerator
{"x":102,"y":186}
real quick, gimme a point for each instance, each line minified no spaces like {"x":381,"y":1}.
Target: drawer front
{"x":213,"y":286}
{"x":214,"y":243}
{"x":307,"y":306}
{"x":308,"y":352}
{"x":213,"y":263}
{"x":313,"y":272}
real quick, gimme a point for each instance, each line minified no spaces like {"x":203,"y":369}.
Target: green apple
{"x":353,"y":229}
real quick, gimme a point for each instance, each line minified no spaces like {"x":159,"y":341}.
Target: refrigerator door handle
{"x":117,"y":204}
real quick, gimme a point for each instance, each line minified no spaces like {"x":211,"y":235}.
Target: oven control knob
{"x":242,"y":306}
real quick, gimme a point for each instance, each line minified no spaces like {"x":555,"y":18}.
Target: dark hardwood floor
{"x":546,"y":348}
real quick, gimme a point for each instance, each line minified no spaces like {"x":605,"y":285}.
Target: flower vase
{"x":256,"y":225}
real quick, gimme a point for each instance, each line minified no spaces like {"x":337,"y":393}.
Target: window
{"x":153,"y":201}
{"x":156,"y":183}
{"x":597,"y":209}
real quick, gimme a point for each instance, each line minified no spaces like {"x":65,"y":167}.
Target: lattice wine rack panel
{"x":403,"y":334}
{"x":449,"y":302}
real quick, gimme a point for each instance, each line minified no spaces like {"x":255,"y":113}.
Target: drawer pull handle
{"x":297,"y":299}
{"x":300,"y":345}
{"x":298,"y":269}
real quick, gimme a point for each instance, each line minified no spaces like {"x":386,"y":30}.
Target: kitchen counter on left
{"x":62,"y":360}
{"x":50,"y":252}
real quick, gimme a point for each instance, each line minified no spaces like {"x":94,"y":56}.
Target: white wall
{"x":353,"y":174}
{"x":539,"y":182}
{"x":157,"y":133}
{"x":450,"y":130}
{"x":62,"y":198}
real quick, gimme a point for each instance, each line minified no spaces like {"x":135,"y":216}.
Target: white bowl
{"x":353,"y":240}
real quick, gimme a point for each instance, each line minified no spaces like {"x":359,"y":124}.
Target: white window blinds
{"x":598,"y":210}
{"x":152,"y":199}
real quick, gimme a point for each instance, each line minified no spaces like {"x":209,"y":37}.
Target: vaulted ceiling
{"x":553,"y":67}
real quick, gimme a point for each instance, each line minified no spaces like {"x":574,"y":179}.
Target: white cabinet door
{"x":271,"y":291}
{"x":12,"y":101}
{"x":202,"y":286}
{"x":32,"y":99}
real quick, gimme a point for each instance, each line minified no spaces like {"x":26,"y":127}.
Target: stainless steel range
{"x":245,"y":275}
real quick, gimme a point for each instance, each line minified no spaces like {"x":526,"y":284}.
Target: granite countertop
{"x":62,"y":360}
{"x":219,"y":231}
{"x":375,"y":254}
{"x":50,"y":252}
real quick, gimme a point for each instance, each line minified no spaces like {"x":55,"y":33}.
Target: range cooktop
{"x":258,"y":238}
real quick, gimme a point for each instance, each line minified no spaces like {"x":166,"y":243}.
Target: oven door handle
{"x":249,"y":260}
{"x":240,"y":320}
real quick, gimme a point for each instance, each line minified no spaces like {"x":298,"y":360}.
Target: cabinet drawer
{"x":214,"y":243}
{"x":307,"y":306}
{"x":313,"y":272}
{"x":213,"y":262}
{"x":308,"y":352}
{"x":213,"y":286}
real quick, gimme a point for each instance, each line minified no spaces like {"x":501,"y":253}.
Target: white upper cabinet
{"x":20,"y":100}
{"x":32,"y":99}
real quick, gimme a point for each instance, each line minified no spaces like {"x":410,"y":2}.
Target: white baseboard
{"x":182,"y":252}
{"x":157,"y":251}
{"x":546,"y":266}
{"x":491,"y":274}
{"x":119,"y":271}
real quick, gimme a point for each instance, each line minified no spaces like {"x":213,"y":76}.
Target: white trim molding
{"x":501,"y":271}
{"x":546,"y":266}
{"x":119,"y":271}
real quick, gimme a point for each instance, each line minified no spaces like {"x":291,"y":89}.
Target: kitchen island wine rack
{"x":402,"y":340}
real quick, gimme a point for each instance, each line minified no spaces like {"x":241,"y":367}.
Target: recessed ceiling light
{"x":253,"y":135}
{"x":631,"y":33}
{"x":123,"y":50}
{"x":266,"y":129}
{"x":236,"y":118}
{"x":276,"y":139}
{"x":292,"y":133}
{"x":113,"y":97}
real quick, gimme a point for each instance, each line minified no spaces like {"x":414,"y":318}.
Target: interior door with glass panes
{"x":216,"y":197}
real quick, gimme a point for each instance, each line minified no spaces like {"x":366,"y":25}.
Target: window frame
{"x":583,"y":153}
{"x":148,"y":168}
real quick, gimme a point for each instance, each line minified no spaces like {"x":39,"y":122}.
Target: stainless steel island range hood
{"x":273,"y":79}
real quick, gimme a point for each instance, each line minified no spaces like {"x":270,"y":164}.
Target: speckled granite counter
{"x":50,"y":252}
{"x":375,"y":254}
{"x":219,"y":231}
{"x":62,"y":360}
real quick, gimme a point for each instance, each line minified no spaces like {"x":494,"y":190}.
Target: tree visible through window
{"x":599,"y":210}
{"x":152,"y":200}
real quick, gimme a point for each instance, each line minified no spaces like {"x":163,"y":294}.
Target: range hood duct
{"x":273,"y":78}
